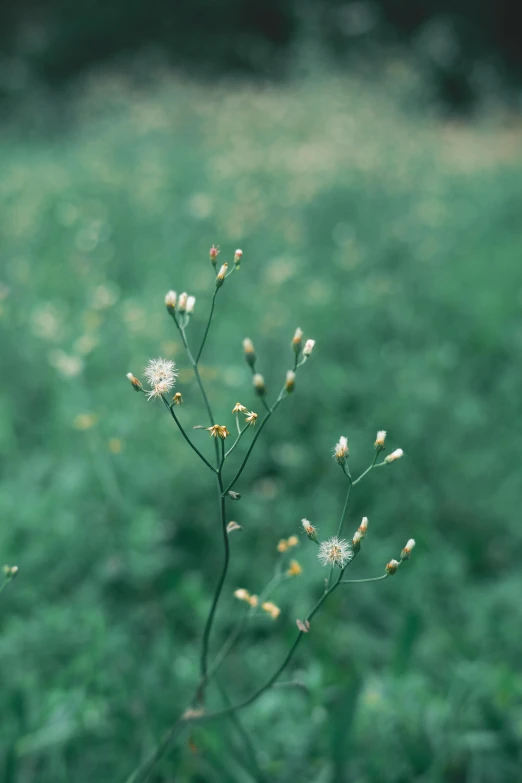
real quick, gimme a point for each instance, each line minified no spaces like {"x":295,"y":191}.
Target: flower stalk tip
{"x":397,"y":454}
{"x":170,"y":301}
{"x":391,"y":567}
{"x":341,"y":450}
{"x":136,"y":384}
{"x":406,"y":552}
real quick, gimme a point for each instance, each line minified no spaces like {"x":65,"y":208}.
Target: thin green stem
{"x":208,"y":326}
{"x":345,"y":508}
{"x":4,"y":586}
{"x":373,"y":465}
{"x":142,"y":773}
{"x":217,"y":593}
{"x":358,"y":581}
{"x":237,"y":631}
{"x":256,"y":436}
{"x":241,"y":433}
{"x":194,"y":448}
{"x":245,"y":736}
{"x":193,"y":362}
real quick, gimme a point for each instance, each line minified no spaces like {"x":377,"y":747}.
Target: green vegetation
{"x":391,"y":239}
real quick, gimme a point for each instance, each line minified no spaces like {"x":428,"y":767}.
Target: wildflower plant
{"x":335,"y":552}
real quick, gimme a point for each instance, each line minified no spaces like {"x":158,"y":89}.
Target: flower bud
{"x":341,"y":450}
{"x":241,"y":594}
{"x":250,"y":354}
{"x":391,"y":567}
{"x":363,"y":527}
{"x":397,"y":454}
{"x":309,"y":529}
{"x":356,"y":541}
{"x":259,"y":384}
{"x":214,"y":252}
{"x":136,"y":385}
{"x":379,"y":440}
{"x":177,"y":399}
{"x":182,"y":302}
{"x":406,"y":552}
{"x":10,"y":571}
{"x":191,"y":301}
{"x":170,"y":301}
{"x":290,"y":381}
{"x":297,"y":341}
{"x":234,"y":495}
{"x":309,"y":347}
{"x":220,"y":279}
{"x":237,"y":258}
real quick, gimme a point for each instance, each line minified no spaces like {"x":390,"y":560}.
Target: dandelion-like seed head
{"x":161,"y":374}
{"x":335,"y":552}
{"x":341,"y":450}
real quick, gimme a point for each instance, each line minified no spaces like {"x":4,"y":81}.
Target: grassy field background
{"x":394,"y":239}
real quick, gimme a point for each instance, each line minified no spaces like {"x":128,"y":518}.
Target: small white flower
{"x":170,"y":299}
{"x":161,"y":374}
{"x":397,"y":454}
{"x":335,"y":552}
{"x":191,"y":301}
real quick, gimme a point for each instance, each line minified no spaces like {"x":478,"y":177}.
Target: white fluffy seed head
{"x":161,"y":374}
{"x":335,"y":552}
{"x":191,"y":301}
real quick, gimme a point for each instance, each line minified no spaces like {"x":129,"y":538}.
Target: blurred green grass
{"x":391,"y":238}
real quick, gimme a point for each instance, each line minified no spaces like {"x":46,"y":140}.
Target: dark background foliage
{"x":465,"y":47}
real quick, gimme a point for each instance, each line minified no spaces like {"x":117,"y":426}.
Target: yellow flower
{"x":251,"y":418}
{"x":238,"y":408}
{"x":271,"y":609}
{"x":218,"y":431}
{"x":242,"y":595}
{"x":253,"y":600}
{"x":295,"y":569}
{"x":177,"y":399}
{"x":292,"y":541}
{"x":282,"y":545}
